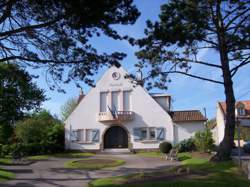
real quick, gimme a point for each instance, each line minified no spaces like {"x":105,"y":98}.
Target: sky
{"x":187,"y":93}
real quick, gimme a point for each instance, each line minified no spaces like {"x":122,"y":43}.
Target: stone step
{"x":116,"y":151}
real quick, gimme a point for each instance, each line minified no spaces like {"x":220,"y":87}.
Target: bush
{"x":165,"y":147}
{"x":6,"y":150}
{"x":40,"y":134}
{"x":204,"y":140}
{"x":246,"y":148}
{"x":186,"y":145}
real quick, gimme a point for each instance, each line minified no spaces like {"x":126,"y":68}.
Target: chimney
{"x":81,"y":96}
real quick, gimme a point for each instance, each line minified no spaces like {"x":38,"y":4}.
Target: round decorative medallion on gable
{"x":116,"y":75}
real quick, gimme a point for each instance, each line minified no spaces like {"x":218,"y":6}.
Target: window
{"x":85,"y":135}
{"x":103,"y":101}
{"x":241,"y":111}
{"x":152,"y":133}
{"x":144,"y":133}
{"x":115,"y":100}
{"x":88,"y":135}
{"x":77,"y":135}
{"x":126,"y":101}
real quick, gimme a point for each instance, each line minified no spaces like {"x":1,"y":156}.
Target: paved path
{"x":52,"y":172}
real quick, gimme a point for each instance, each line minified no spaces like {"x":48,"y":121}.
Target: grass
{"x":151,"y":154}
{"x":61,"y":155}
{"x":73,"y":155}
{"x":6,"y":161}
{"x":93,"y":164}
{"x":38,"y":157}
{"x":6,"y":175}
{"x":202,"y":173}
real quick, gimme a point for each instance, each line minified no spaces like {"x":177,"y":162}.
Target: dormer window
{"x":241,"y":111}
{"x":240,"y":108}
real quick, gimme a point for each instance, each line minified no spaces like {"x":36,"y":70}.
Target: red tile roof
{"x":188,"y":115}
{"x":246,"y":103}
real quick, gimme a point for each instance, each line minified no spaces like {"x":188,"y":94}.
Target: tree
{"x":57,"y":33}
{"x":187,"y":27}
{"x":39,"y":128}
{"x":18,"y":94}
{"x":68,"y":108}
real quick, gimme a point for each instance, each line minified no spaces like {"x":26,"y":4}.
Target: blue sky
{"x":187,"y":93}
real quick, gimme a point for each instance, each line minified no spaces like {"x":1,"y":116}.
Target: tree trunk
{"x":226,"y":145}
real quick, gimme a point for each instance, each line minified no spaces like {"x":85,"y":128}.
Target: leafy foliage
{"x":204,"y":140}
{"x":68,"y":108}
{"x":56,"y":34}
{"x":40,"y":134}
{"x":186,"y":145}
{"x":17,"y":93}
{"x":6,"y":133}
{"x":188,"y":27}
{"x":246,"y":148}
{"x":165,"y":147}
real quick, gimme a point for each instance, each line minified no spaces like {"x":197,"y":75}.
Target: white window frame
{"x":148,"y":130}
{"x":90,"y":135}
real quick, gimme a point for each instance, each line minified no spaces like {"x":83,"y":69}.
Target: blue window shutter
{"x":73,"y":135}
{"x":95,"y":135}
{"x":137,"y":134}
{"x":160,"y":133}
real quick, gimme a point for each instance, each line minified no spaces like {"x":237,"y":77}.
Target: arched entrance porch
{"x":115,"y":137}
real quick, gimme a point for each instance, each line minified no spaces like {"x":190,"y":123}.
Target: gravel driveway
{"x":52,"y":172}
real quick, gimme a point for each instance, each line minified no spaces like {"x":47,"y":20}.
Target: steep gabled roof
{"x":246,"y":103}
{"x":187,"y":116}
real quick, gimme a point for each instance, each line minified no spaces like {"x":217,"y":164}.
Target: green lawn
{"x":93,"y":164}
{"x":6,"y":161}
{"x":38,"y":157}
{"x":61,"y":155}
{"x":73,"y":154}
{"x":202,"y":174}
{"x":6,"y":175}
{"x":151,"y":154}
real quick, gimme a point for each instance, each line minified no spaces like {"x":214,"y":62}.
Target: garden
{"x":196,"y":169}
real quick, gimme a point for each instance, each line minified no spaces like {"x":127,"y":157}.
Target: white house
{"x":119,"y":114}
{"x":242,"y":113}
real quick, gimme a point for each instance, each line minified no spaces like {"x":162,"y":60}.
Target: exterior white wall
{"x":220,"y":125}
{"x":186,"y":130}
{"x":147,"y":112}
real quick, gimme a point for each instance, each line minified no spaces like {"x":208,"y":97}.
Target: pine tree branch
{"x":236,"y":17}
{"x":236,"y":68}
{"x":29,"y":27}
{"x":199,"y":62}
{"x":7,"y":11}
{"x":189,"y":75}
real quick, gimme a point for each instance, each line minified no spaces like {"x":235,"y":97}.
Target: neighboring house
{"x":116,"y":113}
{"x":242,"y":112}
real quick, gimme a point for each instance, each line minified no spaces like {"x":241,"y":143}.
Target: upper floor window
{"x":103,"y":101}
{"x":127,"y":100}
{"x":241,"y":111}
{"x":115,"y":100}
{"x":240,"y":108}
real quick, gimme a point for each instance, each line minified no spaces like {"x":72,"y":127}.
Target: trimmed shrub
{"x":246,"y":148}
{"x":204,"y":140}
{"x":165,"y":147}
{"x":186,"y":145}
{"x":6,"y":150}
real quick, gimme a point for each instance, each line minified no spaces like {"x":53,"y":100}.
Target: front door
{"x":115,"y":137}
